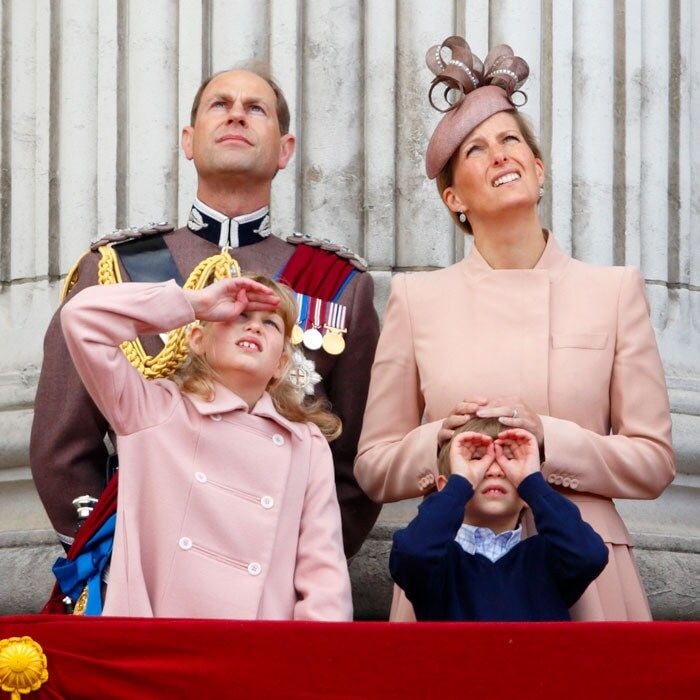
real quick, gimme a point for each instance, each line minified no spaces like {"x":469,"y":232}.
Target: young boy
{"x":461,"y":557}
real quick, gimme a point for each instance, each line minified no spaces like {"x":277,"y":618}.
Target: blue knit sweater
{"x":538,"y":579}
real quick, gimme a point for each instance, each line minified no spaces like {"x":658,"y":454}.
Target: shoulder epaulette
{"x":326,"y":244}
{"x":129,"y":234}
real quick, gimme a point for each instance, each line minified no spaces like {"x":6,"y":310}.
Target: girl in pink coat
{"x":227,"y":505}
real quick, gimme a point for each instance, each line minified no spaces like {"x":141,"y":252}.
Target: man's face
{"x":236,"y":131}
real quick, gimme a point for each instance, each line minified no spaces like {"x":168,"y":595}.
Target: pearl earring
{"x":462,"y":217}
{"x":541,"y":191}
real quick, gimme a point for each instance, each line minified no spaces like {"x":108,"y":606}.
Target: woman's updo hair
{"x":444,"y":177}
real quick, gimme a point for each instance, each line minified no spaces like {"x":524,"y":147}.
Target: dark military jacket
{"x":67,"y":449}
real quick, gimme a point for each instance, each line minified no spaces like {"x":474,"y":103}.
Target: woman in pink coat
{"x":521,"y":331}
{"x":227,"y":504}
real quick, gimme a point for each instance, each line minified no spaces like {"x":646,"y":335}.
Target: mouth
{"x":505,"y":179}
{"x":493,"y":491}
{"x":249,"y":345}
{"x":235,"y":138}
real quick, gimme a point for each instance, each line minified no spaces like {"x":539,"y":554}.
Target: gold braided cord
{"x":174,"y":353}
{"x":71,"y":278}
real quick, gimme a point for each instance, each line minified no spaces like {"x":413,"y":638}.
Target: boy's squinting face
{"x":251,"y":345}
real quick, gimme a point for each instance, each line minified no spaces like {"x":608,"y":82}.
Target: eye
{"x":257,"y":108}
{"x":275,"y":324}
{"x":218,"y":103}
{"x":474,"y":148}
{"x":512,"y":137}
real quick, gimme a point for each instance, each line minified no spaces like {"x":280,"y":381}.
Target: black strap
{"x":148,"y":259}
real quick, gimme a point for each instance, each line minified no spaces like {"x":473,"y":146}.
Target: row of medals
{"x":312,"y":338}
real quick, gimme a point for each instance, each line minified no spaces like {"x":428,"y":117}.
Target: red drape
{"x":131,"y":658}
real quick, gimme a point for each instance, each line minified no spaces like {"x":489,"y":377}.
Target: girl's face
{"x":250,"y":348}
{"x":494,"y":170}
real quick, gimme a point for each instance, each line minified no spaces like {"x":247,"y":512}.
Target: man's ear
{"x":440,"y":482}
{"x":287,"y":146}
{"x":186,"y":139}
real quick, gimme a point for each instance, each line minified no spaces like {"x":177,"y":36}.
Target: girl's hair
{"x":197,"y":377}
{"x":444,"y":177}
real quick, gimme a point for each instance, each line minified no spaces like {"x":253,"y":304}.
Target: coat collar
{"x":225,"y":401}
{"x":553,"y":260}
{"x":217,"y":228}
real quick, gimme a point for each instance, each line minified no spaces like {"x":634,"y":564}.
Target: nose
{"x":237,"y":112}
{"x":499,"y":155}
{"x":253,"y":324}
{"x":494,"y":471}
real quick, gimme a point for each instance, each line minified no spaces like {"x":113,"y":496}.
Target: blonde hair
{"x":197,"y":377}
{"x":444,"y":178}
{"x":486,"y":426}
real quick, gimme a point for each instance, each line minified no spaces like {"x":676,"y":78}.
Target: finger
{"x":454,"y":421}
{"x":494,"y":411}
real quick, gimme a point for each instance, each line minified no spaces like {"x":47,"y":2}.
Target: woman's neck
{"x":515,"y":244}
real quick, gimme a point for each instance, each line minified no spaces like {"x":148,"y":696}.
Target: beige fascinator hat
{"x":468,"y":92}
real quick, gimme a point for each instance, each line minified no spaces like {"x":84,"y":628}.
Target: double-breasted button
{"x":254,"y":568}
{"x":185,"y":543}
{"x":267,"y":502}
{"x":566,"y":482}
{"x":557,"y":479}
{"x":551,"y":478}
{"x":278,"y":439}
{"x":215,"y":417}
{"x":574,"y":483}
{"x":201,"y":477}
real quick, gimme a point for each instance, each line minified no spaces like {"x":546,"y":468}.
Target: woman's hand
{"x":226,"y":299}
{"x":513,"y":412}
{"x":462,"y":412}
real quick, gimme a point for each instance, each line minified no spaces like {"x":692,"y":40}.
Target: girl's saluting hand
{"x":226,"y":299}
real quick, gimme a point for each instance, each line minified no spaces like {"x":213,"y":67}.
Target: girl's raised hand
{"x":517,"y":454}
{"x":226,"y":299}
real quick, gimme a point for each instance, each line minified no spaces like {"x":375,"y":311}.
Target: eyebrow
{"x":227,"y":97}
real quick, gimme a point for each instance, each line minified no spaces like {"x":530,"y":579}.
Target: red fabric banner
{"x":134,"y":658}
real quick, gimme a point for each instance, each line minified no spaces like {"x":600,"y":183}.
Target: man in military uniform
{"x":238,"y":138}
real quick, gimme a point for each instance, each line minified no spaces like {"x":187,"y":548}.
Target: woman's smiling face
{"x":494,"y":170}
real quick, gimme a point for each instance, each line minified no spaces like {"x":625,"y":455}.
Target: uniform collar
{"x":225,"y":401}
{"x":553,"y":260}
{"x":222,"y":230}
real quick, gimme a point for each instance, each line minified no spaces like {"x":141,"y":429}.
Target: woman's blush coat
{"x":222,"y":512}
{"x":574,"y":341}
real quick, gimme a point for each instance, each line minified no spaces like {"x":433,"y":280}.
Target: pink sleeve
{"x":321,"y":575}
{"x":96,"y":321}
{"x":395,"y":449}
{"x":636,"y":460}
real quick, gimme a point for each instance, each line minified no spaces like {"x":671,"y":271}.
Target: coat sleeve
{"x":420,"y":552}
{"x":575,"y":552}
{"x":96,"y":321}
{"x":67,"y":452}
{"x":321,"y":577}
{"x":346,"y":388}
{"x":636,"y":460}
{"x":395,"y":449}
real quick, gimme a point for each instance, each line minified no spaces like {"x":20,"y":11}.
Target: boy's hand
{"x":471,"y":454}
{"x":517,"y":454}
{"x":226,"y":299}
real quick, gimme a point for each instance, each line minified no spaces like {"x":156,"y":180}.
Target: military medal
{"x":333,"y":341}
{"x":313,"y":339}
{"x":298,"y":330}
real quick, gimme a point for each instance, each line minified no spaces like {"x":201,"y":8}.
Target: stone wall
{"x":93,"y":95}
